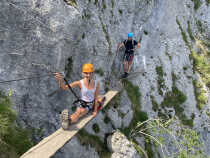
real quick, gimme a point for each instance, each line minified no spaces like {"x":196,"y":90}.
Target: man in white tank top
{"x":89,"y":94}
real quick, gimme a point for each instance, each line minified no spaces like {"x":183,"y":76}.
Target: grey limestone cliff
{"x":38,"y":37}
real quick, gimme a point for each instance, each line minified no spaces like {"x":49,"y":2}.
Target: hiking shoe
{"x":124,"y":75}
{"x":64,"y":119}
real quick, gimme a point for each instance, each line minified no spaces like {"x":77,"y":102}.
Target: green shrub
{"x":104,"y":28}
{"x":99,"y":71}
{"x":13,"y":138}
{"x":189,"y":30}
{"x":202,"y":65}
{"x":184,"y":36}
{"x":188,"y":122}
{"x":69,"y":67}
{"x":145,"y":32}
{"x":138,"y":148}
{"x":74,"y":108}
{"x":39,"y":131}
{"x":18,"y":138}
{"x":174,"y":99}
{"x":160,"y":80}
{"x":207,"y":44}
{"x":148,"y":148}
{"x":96,"y":2}
{"x":83,"y":35}
{"x":200,"y":96}
{"x":132,"y":92}
{"x":154,"y":103}
{"x":115,"y":102}
{"x":96,"y":128}
{"x":208,"y":113}
{"x":106,"y":119}
{"x":154,"y":132}
{"x":87,"y":15}
{"x":184,"y":68}
{"x":135,"y":97}
{"x":148,"y":1}
{"x":200,"y":26}
{"x":112,"y":3}
{"x":197,"y":4}
{"x":104,"y":5}
{"x":169,"y":56}
{"x":94,"y":141}
{"x":72,"y":3}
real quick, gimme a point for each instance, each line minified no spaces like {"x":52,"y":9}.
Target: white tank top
{"x":87,"y":94}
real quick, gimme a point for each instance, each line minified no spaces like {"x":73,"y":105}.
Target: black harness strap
{"x":82,"y":102}
{"x":71,"y":89}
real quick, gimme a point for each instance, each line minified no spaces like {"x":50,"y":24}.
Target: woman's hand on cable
{"x":58,"y":76}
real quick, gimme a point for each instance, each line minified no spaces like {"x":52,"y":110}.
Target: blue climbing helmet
{"x":130,"y":34}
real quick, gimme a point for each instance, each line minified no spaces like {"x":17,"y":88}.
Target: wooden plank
{"x":49,"y":145}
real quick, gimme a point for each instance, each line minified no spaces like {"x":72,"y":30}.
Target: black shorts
{"x":128,"y":57}
{"x":87,"y":106}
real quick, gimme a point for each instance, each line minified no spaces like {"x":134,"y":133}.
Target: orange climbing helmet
{"x":87,"y":67}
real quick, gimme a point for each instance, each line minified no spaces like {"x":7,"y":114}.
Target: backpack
{"x":132,"y":43}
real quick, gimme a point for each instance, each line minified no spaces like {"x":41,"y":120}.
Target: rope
{"x":27,"y":78}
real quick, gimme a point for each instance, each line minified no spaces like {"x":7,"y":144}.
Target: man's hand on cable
{"x":133,"y":49}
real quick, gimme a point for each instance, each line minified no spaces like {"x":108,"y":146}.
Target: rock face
{"x":38,"y":37}
{"x":73,"y":146}
{"x":119,"y":145}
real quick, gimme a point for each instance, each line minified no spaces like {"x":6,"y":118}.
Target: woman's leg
{"x":78,"y":114}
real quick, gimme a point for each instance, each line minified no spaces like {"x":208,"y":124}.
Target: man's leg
{"x":129,"y":66}
{"x":125,"y":65}
{"x":130,"y":62}
{"x":125,"y":69}
{"x":125,"y":62}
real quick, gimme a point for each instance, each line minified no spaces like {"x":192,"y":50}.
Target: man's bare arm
{"x":120,"y":45}
{"x":138,"y":45}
